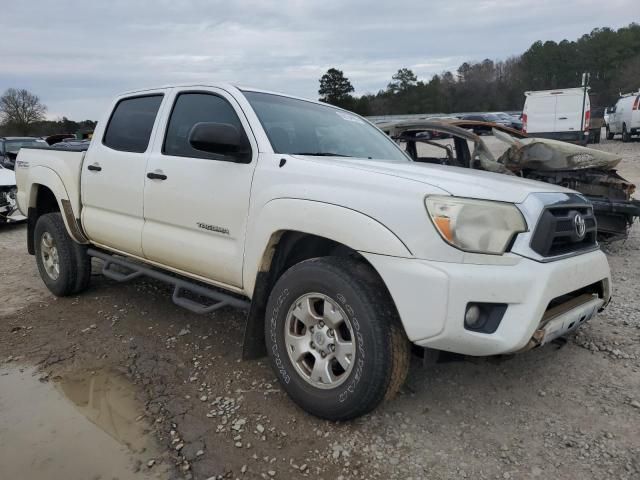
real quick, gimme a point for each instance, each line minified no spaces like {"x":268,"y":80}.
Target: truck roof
{"x":224,"y":86}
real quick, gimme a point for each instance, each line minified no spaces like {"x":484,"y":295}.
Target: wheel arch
{"x":46,"y":195}
{"x":285,"y":249}
{"x":342,"y":225}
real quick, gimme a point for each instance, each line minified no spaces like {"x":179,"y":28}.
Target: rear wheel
{"x":63,"y":264}
{"x":334,"y":338}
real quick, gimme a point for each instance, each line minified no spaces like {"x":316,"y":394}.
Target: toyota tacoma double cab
{"x":344,"y":250}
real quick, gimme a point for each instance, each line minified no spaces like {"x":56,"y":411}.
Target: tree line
{"x":612,"y":57}
{"x":23,"y":114}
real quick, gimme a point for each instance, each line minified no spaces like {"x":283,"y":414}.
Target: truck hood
{"x":461,"y":182}
{"x":7,"y":177}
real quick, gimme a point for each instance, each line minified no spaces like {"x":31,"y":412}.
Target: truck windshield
{"x":306,"y":128}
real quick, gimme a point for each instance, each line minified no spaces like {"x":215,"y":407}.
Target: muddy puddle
{"x":76,"y":427}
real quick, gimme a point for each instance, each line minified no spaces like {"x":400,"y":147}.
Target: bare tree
{"x":20,"y":109}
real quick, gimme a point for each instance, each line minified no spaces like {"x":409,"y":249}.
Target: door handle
{"x":95,"y":167}
{"x":156,"y":176}
{"x":562,"y":118}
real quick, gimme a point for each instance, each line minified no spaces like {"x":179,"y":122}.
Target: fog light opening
{"x":473,"y":318}
{"x":481,"y":317}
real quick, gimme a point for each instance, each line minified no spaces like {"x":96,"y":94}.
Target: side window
{"x":131,"y":122}
{"x":190,"y":109}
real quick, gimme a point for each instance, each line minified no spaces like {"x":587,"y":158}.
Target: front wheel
{"x":626,"y":136}
{"x":334,"y":338}
{"x":63,"y":264}
{"x":610,"y":134}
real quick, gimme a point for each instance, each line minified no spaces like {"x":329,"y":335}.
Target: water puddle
{"x":72,"y":428}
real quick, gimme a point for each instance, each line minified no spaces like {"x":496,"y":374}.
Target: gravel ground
{"x":557,"y":412}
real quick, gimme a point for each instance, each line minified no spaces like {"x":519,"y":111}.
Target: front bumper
{"x":614,"y":216}
{"x":431,"y":297}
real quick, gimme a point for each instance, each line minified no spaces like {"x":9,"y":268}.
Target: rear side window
{"x":129,"y":128}
{"x":192,"y":108}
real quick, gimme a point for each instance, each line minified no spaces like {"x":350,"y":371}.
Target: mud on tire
{"x":64,"y":265}
{"x":346,"y":303}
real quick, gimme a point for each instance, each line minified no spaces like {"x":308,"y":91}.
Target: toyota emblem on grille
{"x":580,"y":226}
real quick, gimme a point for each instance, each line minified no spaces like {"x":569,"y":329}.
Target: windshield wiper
{"x":320,"y":154}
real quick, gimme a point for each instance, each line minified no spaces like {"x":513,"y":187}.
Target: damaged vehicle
{"x":586,"y":170}
{"x":8,"y":191}
{"x":10,"y":146}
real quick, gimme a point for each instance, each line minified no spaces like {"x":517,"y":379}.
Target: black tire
{"x":610,"y":135}
{"x":74,"y":266}
{"x":626,"y":137}
{"x":381,"y":360}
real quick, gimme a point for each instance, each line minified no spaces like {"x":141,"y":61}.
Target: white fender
{"x":46,"y":177}
{"x":348,"y":227}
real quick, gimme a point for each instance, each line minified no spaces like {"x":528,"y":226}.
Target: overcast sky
{"x":77,"y":54}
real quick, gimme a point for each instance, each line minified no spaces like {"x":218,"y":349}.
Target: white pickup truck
{"x":344,"y":250}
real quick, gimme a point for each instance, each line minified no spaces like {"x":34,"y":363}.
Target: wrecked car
{"x":588,"y":171}
{"x":8,"y":206}
{"x":10,"y":146}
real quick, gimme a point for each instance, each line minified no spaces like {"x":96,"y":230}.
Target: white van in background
{"x":624,"y":117}
{"x":558,"y":114}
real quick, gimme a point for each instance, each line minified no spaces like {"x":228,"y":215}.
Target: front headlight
{"x":480,"y":226}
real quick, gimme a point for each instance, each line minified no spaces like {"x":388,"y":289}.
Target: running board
{"x":180,"y":285}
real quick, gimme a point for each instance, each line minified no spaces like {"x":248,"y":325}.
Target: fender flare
{"x":349,"y":227}
{"x":40,"y":176}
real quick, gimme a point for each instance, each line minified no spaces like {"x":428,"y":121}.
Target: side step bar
{"x":181,"y":286}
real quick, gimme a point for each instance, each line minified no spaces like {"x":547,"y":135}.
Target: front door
{"x":618,"y":117}
{"x":114,"y":171}
{"x":196,"y":202}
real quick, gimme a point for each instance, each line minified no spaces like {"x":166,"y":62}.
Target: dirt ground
{"x":557,"y":412}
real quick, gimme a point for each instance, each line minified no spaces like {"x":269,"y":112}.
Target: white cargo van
{"x":558,"y":114}
{"x":624,"y":118}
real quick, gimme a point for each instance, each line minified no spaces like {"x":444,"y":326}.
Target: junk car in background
{"x":8,"y":191}
{"x":10,"y":146}
{"x":586,"y":170}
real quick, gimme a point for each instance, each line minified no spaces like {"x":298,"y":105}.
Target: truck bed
{"x":35,"y":165}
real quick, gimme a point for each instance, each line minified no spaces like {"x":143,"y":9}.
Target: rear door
{"x":112,"y":180}
{"x":196,"y":213}
{"x":541,"y":113}
{"x":568,"y":112}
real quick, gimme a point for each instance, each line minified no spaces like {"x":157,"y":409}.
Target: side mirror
{"x":220,"y":138}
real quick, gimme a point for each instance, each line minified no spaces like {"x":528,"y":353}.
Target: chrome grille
{"x":552,"y":235}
